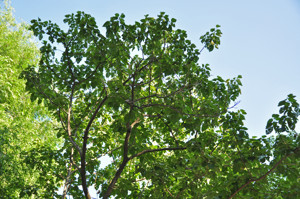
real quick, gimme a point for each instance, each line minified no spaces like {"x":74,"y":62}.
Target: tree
{"x":26,"y":130}
{"x":139,"y":96}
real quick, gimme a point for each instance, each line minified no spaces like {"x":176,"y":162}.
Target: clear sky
{"x":261,"y":40}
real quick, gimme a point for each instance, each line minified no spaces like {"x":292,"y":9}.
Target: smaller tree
{"x":27,"y":136}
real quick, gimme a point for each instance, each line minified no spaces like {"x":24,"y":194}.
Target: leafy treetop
{"x":138,"y":95}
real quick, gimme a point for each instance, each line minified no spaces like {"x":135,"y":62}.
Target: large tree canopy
{"x":138,"y":95}
{"x":27,"y":132}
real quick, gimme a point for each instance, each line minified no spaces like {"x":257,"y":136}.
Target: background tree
{"x":138,"y":95}
{"x":27,"y":135}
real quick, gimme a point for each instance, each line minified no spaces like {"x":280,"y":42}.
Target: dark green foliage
{"x":137,"y":94}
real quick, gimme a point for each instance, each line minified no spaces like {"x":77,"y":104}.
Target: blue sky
{"x":260,"y":40}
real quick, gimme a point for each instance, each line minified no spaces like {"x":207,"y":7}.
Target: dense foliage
{"x":27,"y":135}
{"x":138,"y":95}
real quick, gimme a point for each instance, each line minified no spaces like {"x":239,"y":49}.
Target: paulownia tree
{"x":138,"y":95}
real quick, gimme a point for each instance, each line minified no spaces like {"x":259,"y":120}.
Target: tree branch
{"x":68,"y":60}
{"x":123,"y":164}
{"x":176,"y":110}
{"x":69,"y":121}
{"x":265,"y":175}
{"x":84,"y":148}
{"x":170,"y":129}
{"x":45,"y":95}
{"x":70,"y":172}
{"x":103,"y":154}
{"x":61,"y":120}
{"x":152,"y":59}
{"x":169,"y":192}
{"x":91,"y":75}
{"x":154,"y":150}
{"x":160,"y":96}
{"x":126,"y":141}
{"x":188,"y":87}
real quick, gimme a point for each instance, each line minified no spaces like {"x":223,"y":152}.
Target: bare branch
{"x":67,"y":183}
{"x":202,"y":49}
{"x":138,"y":180}
{"x":124,"y":162}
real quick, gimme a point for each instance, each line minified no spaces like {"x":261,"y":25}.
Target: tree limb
{"x":84,"y":148}
{"x":45,"y":95}
{"x":69,"y":122}
{"x":152,"y":59}
{"x":123,"y":164}
{"x":265,"y":175}
{"x":91,"y":75}
{"x":177,"y":110}
{"x":170,"y":129}
{"x":126,"y":142}
{"x":70,"y":172}
{"x":154,"y":150}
